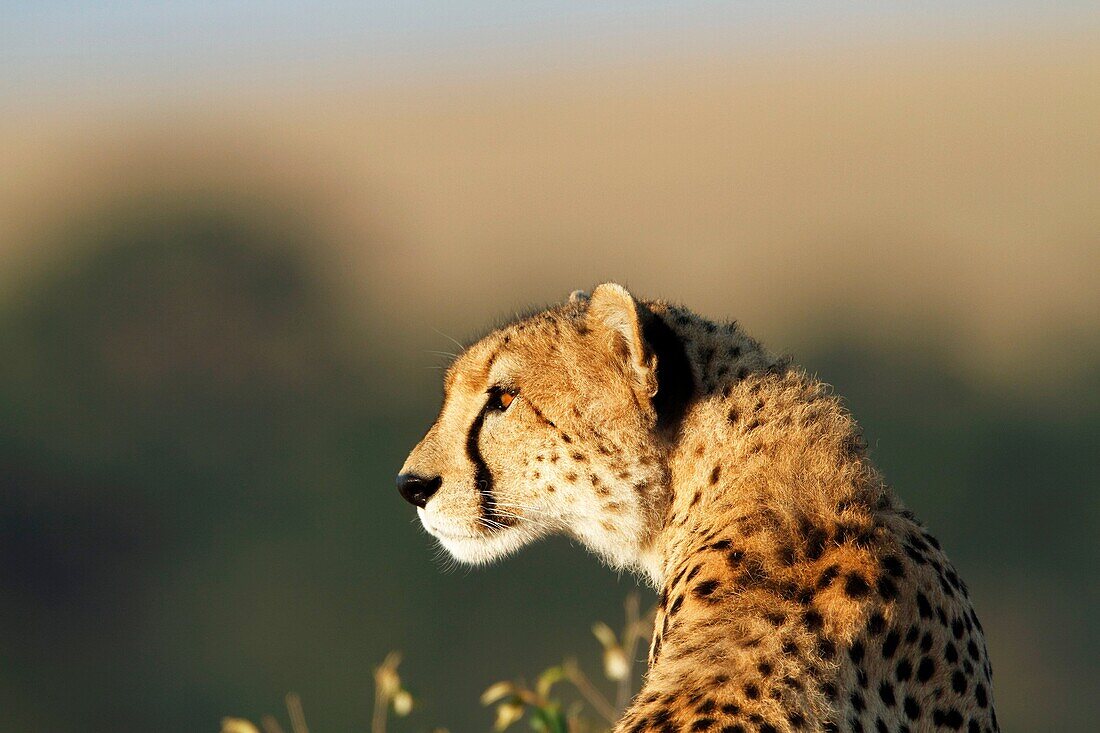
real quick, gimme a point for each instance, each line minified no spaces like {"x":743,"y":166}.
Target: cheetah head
{"x":557,"y":423}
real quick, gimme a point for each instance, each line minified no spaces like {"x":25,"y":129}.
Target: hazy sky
{"x":56,"y":41}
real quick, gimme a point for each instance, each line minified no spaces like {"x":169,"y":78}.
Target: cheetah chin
{"x":471,"y":548}
{"x":797,"y":593}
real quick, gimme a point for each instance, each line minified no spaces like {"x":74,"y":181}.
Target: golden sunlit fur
{"x":796,"y":592}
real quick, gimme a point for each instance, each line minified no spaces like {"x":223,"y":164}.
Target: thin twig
{"x":594,"y":696}
{"x":378,"y":722}
{"x":297,"y":716}
{"x":270,"y":724}
{"x":630,"y":639}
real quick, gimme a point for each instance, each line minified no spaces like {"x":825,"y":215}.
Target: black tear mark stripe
{"x":483,"y":477}
{"x":675,"y":380}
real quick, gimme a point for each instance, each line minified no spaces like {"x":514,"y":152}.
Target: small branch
{"x":378,"y":721}
{"x":630,"y":642}
{"x":297,"y":716}
{"x":590,"y":693}
{"x":270,"y":725}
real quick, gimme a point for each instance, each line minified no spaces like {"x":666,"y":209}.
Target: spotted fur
{"x":796,"y":593}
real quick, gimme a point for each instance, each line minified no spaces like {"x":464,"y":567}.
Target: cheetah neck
{"x":763,"y":449}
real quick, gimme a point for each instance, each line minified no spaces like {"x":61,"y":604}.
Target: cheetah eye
{"x":499,"y":399}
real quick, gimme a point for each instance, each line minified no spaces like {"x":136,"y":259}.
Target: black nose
{"x":417,"y":489}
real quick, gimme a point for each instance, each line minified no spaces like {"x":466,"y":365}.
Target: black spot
{"x":735,"y":728}
{"x":926,"y":642}
{"x":904,"y":670}
{"x":958,"y":682}
{"x":957,"y":628}
{"x":893,"y":566}
{"x":947,"y":718}
{"x":765,"y":668}
{"x":731,"y":708}
{"x":767,"y":728}
{"x":926,"y":669}
{"x":826,"y":649}
{"x":702,"y":724}
{"x":886,"y":692}
{"x":890,"y":645}
{"x":950,"y":653}
{"x":827,"y":577}
{"x":752,"y":691}
{"x":876,"y":624}
{"x":856,"y":652}
{"x":887,"y":589}
{"x":714,"y":474}
{"x":923,"y":605}
{"x":815,"y":543}
{"x":704,"y":589}
{"x":912,"y":709}
{"x":973,"y":727}
{"x":857,"y":701}
{"x":981,"y":696}
{"x":721,"y":545}
{"x":855,"y":586}
{"x":812,"y":620}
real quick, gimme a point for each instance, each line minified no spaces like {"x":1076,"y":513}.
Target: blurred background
{"x":232,"y":235}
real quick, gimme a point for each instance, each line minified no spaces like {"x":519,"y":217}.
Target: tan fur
{"x":796,"y":593}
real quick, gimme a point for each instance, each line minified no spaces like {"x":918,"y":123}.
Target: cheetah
{"x":796,"y":591}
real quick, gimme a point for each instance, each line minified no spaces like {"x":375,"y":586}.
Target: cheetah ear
{"x":615,"y":309}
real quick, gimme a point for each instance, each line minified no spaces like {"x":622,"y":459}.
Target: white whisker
{"x":523,"y":507}
{"x":451,"y":339}
{"x":522,"y":518}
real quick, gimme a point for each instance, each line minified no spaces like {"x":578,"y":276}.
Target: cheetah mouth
{"x":446,"y":534}
{"x":475,"y":548}
{"x":451,"y":535}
